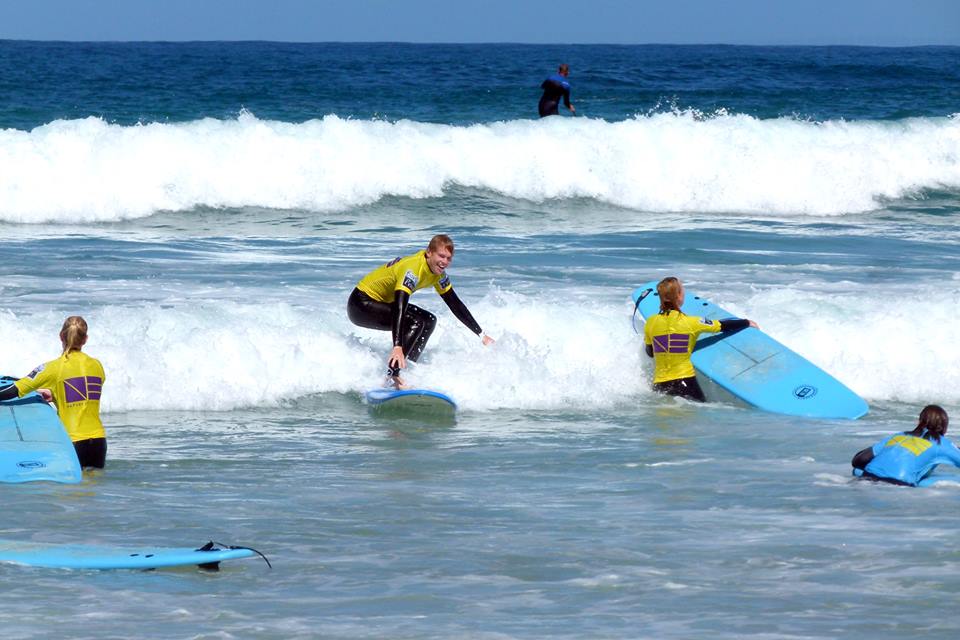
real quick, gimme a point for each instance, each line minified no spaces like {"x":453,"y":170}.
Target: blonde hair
{"x":73,"y":334}
{"x":669,"y":291}
{"x":441,"y":240}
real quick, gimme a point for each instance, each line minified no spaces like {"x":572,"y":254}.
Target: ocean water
{"x":208,"y":207}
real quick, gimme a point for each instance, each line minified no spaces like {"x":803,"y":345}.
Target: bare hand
{"x":487,"y":340}
{"x":754,"y":325}
{"x":46,"y":394}
{"x":572,"y":109}
{"x":397,"y":359}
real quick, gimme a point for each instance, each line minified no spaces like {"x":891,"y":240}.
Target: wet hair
{"x":564,"y":68}
{"x":932,"y":423}
{"x":440,"y":241}
{"x":73,"y":333}
{"x":669,"y":291}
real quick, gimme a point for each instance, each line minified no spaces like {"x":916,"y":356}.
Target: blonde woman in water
{"x":73,"y":382}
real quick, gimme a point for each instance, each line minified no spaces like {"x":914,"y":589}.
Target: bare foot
{"x":396,"y":382}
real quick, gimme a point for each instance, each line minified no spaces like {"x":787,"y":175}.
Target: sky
{"x":759,"y":22}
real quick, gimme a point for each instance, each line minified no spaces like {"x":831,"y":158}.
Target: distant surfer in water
{"x":909,"y":457}
{"x":381,"y":301}
{"x":669,"y":338}
{"x":556,"y":88}
{"x":73,"y":382}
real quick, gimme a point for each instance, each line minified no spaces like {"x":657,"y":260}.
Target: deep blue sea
{"x":208,"y":208}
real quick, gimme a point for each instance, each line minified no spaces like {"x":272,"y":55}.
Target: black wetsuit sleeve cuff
{"x":9,"y":393}
{"x":733,"y":324}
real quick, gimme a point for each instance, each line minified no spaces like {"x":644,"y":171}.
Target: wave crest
{"x":90,"y":170}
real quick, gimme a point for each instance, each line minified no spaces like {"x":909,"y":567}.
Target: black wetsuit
{"x":687,"y":388}
{"x":554,"y":88}
{"x":410,"y":325}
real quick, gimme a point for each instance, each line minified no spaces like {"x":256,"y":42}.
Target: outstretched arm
{"x":463,"y":314}
{"x":736,"y":324}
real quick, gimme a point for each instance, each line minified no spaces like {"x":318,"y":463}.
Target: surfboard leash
{"x":636,"y":308}
{"x":213,"y":546}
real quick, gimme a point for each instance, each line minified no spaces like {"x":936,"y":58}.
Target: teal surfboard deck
{"x":81,"y":556}
{"x":756,"y":368}
{"x":410,"y":401}
{"x":34,"y":444}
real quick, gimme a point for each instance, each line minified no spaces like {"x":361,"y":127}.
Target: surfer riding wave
{"x":381,"y":301}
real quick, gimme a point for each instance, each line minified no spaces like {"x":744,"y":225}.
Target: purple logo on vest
{"x":82,"y":388}
{"x":671,"y":343}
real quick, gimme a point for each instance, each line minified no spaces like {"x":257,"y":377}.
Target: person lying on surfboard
{"x":669,"y":338}
{"x":73,"y":382}
{"x":381,"y":301}
{"x":909,"y":457}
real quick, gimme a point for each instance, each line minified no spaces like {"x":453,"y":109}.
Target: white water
{"x":90,"y":170}
{"x":220,"y":355}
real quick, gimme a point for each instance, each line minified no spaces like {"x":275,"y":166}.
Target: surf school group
{"x":680,"y":338}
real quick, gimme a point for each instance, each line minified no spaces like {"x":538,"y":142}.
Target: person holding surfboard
{"x":669,"y":338}
{"x":73,"y":382}
{"x":908,"y":457}
{"x":381,"y":301}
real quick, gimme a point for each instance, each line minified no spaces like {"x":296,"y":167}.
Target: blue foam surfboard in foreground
{"x":34,"y":444}
{"x":84,"y":556}
{"x":756,"y":368}
{"x":411,"y":400}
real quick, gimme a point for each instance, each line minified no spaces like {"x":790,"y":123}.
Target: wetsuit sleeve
{"x":42,"y":376}
{"x":566,"y":94}
{"x":950,"y":450}
{"x":734,"y":324}
{"x":9,"y":392}
{"x":460,"y":310}
{"x":647,"y":340}
{"x":696,"y":325}
{"x":400,"y":300}
{"x":862,"y":459}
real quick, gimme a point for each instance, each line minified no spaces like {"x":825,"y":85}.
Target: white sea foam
{"x":89,"y":170}
{"x":222,"y":355}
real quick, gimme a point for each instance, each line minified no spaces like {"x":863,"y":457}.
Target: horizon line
{"x":482,"y":43}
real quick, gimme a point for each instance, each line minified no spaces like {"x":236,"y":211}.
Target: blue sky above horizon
{"x":752,"y":22}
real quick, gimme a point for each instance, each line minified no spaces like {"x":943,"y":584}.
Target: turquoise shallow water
{"x":211,"y":239}
{"x":660,"y":520}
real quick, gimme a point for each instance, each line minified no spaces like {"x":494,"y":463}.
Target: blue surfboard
{"x":411,"y":401}
{"x":34,"y":444}
{"x":86,"y":556}
{"x":757,"y":369}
